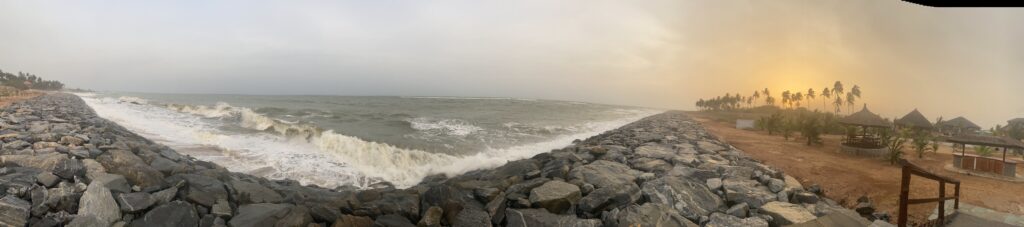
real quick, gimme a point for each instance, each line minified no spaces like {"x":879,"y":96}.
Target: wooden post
{"x":1004,"y":155}
{"x":942,"y":203}
{"x":956,"y":201}
{"x":904,"y":197}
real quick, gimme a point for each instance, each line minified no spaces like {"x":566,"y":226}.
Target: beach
{"x":64,"y":165}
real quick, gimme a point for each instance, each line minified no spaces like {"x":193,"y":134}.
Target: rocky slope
{"x":63,"y":165}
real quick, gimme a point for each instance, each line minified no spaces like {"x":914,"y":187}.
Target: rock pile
{"x":63,"y":165}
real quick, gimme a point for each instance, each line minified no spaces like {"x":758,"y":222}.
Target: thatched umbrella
{"x":866,"y":119}
{"x":959,"y":123}
{"x":985,"y":140}
{"x":915,"y":119}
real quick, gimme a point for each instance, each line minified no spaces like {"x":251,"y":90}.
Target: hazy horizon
{"x":665,"y":54}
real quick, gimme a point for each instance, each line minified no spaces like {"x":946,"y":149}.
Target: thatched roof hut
{"x":959,"y":122}
{"x":866,"y":118}
{"x":986,"y":140}
{"x":915,"y":119}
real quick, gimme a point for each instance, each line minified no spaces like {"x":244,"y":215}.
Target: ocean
{"x":360,"y":141}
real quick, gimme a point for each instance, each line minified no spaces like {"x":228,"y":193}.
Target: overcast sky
{"x":947,"y":62}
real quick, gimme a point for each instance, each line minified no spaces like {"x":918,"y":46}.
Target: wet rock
{"x":555,"y":196}
{"x":177,"y":213}
{"x":353,"y":221}
{"x":431,"y":218}
{"x":541,"y":217}
{"x":14,"y":211}
{"x":786,"y":213}
{"x":525,"y":186}
{"x":649,"y":214}
{"x":603,"y":173}
{"x":405,"y":204}
{"x":723,"y":220}
{"x":607,"y":198}
{"x":166,"y":166}
{"x":98,"y":202}
{"x":221,"y":209}
{"x":297,"y":216}
{"x":47,"y":179}
{"x":260,"y":214}
{"x":247,"y":192}
{"x":135,"y":202}
{"x":201,"y":189}
{"x":690,"y":198}
{"x":472,"y":218}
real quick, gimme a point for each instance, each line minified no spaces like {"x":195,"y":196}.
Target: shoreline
{"x":65,"y":165}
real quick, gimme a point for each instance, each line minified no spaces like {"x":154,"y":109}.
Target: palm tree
{"x":770,"y":100}
{"x":828,"y":96}
{"x":785,"y":98}
{"x":855,"y":91}
{"x":810,"y":95}
{"x":757,"y":95}
{"x":837,"y":89}
{"x":838,"y":103}
{"x":797,"y":98}
{"x":850,"y":99}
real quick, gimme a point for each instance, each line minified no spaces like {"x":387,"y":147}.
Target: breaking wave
{"x":312,"y":155}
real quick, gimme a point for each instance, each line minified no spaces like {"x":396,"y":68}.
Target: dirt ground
{"x":845,"y":177}
{"x":7,"y":100}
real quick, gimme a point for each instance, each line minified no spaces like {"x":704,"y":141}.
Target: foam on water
{"x":311,"y":155}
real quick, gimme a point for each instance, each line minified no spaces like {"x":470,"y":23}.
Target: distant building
{"x":958,"y":126}
{"x":915,"y":120}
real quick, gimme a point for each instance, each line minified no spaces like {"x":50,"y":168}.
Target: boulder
{"x":392,"y":220}
{"x":724,"y":220}
{"x":65,"y":196}
{"x":14,"y":211}
{"x":655,"y":151}
{"x":714,"y":184}
{"x":201,"y":189}
{"x":607,"y":198}
{"x":87,"y":221}
{"x":247,"y":192}
{"x":792,"y":184}
{"x":405,"y":204}
{"x":747,"y":191}
{"x":786,"y":213}
{"x":710,"y":147}
{"x":541,"y":217}
{"x":114,"y":182}
{"x":47,"y":179}
{"x":69,"y":168}
{"x":689,"y":198}
{"x":221,"y":209}
{"x":805,"y":198}
{"x":776,"y":185}
{"x":45,"y":162}
{"x":603,"y":173}
{"x":177,"y":213}
{"x":131,"y":167}
{"x":134,"y":202}
{"x":651,"y":165}
{"x":260,"y":214}
{"x":739,"y":210}
{"x":166,"y":166}
{"x":496,"y":209}
{"x":71,"y":140}
{"x":555,"y":196}
{"x":352,"y":221}
{"x":472,"y":218}
{"x":98,"y":202}
{"x":649,"y":214}
{"x":431,"y":218}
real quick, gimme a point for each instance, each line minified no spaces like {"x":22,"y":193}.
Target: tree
{"x":838,"y":104}
{"x":770,"y":100}
{"x":856,"y":92}
{"x":921,"y":142}
{"x":810,"y":128}
{"x":810,"y":95}
{"x":837,"y":90}
{"x":850,"y":99}
{"x":786,"y":98}
{"x":894,"y":141}
{"x":828,"y":96}
{"x":797,"y":97}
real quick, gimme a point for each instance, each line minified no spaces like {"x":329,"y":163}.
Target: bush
{"x":984,"y":151}
{"x":894,"y":141}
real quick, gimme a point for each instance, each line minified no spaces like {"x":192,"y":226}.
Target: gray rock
{"x":607,"y":198}
{"x":724,"y":220}
{"x":486,"y":194}
{"x":709,"y":147}
{"x":690,"y":198}
{"x":114,"y":182}
{"x":805,"y":198}
{"x":177,"y":213}
{"x":603,"y":173}
{"x":776,"y":185}
{"x":71,"y":140}
{"x":555,"y":196}
{"x":739,"y":210}
{"x":431,"y":218}
{"x":541,"y":217}
{"x":649,"y":214}
{"x":47,"y":179}
{"x":247,"y":192}
{"x":221,"y":209}
{"x":132,"y":168}
{"x":260,"y":214}
{"x":98,"y":202}
{"x":135,"y":202}
{"x":65,"y":196}
{"x":786,"y":213}
{"x":297,"y":216}
{"x":14,"y":211}
{"x":392,"y":220}
{"x":352,"y":221}
{"x":737,"y":172}
{"x":16,"y":145}
{"x":87,"y":221}
{"x":69,"y":169}
{"x":201,"y":189}
{"x":714,"y":184}
{"x":166,"y":166}
{"x":655,"y":151}
{"x":651,"y":165}
{"x":472,"y":218}
{"x":747,"y":191}
{"x":496,"y":209}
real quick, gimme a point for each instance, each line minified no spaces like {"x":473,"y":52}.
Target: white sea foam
{"x":133,"y":100}
{"x":324,"y":158}
{"x":453,"y":127}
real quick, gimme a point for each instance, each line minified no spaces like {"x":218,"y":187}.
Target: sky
{"x":666,"y":54}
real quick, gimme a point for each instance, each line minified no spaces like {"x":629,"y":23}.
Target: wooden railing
{"x":910,"y":168}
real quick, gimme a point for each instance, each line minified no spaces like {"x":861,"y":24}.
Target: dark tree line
{"x":24,"y":81}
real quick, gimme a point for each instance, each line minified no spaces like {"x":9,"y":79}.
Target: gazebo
{"x":986,"y":164}
{"x":868,"y":142}
{"x":916,"y":121}
{"x":957,"y":126}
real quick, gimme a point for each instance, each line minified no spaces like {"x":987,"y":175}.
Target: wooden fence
{"x":905,"y":200}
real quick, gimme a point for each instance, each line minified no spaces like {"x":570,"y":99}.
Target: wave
{"x":467,"y":98}
{"x":453,"y":127}
{"x":133,"y":100}
{"x":311,"y":155}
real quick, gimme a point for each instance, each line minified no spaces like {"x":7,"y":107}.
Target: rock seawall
{"x":60,"y":164}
